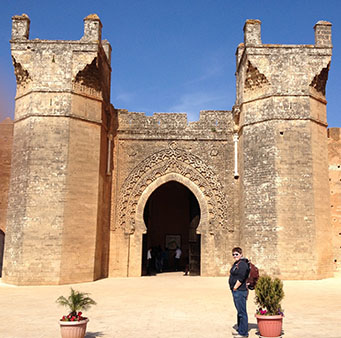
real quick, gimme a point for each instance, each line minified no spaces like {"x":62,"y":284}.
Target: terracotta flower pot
{"x":73,"y":329}
{"x":269,"y":326}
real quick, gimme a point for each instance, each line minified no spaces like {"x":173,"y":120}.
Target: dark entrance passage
{"x":171,"y":215}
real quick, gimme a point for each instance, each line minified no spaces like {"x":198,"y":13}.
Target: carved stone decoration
{"x":253,"y":78}
{"x":320,"y":80}
{"x":89,"y":79}
{"x":179,"y":161}
{"x":21,"y":74}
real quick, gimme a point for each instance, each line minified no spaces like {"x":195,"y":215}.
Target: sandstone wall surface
{"x":6,"y":140}
{"x":148,"y":150}
{"x":59,"y":187}
{"x":281,"y":112}
{"x":334,"y":152}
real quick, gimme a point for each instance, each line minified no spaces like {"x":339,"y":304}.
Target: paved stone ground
{"x":167,"y":305}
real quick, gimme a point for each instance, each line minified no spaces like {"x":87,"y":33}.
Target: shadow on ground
{"x":251,"y":326}
{"x":94,"y":334}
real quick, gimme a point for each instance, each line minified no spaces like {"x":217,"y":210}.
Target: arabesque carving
{"x":320,"y":80}
{"x":90,"y":76}
{"x":172,"y":160}
{"x":254,"y":78}
{"x":21,"y":74}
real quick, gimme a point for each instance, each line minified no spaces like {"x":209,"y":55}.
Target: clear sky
{"x":174,"y":55}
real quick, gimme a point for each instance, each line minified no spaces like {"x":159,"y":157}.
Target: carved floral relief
{"x":172,"y":160}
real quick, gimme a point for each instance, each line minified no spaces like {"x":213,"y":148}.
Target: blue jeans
{"x":239,"y":298}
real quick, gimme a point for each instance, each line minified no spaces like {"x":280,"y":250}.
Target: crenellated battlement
{"x":92,"y":29}
{"x":283,"y":81}
{"x":211,"y":124}
{"x":253,"y":37}
{"x":56,"y":70}
{"x":253,"y":41}
{"x":20,"y":27}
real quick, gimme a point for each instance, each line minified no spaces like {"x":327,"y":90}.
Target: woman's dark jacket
{"x":239,"y":271}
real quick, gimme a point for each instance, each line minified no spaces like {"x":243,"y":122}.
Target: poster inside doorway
{"x":173,"y":241}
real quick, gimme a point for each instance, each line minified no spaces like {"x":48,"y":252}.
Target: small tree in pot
{"x":74,"y":325}
{"x":268,"y":295}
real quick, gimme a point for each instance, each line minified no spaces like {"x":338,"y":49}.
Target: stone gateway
{"x":90,"y":188}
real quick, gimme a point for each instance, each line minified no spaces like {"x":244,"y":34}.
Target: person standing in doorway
{"x":237,"y":281}
{"x":149,"y":261}
{"x":177,"y":257}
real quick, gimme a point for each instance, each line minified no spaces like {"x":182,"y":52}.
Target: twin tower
{"x":83,"y":173}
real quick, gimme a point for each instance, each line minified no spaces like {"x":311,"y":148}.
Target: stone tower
{"x":60,"y":180}
{"x":281,"y":113}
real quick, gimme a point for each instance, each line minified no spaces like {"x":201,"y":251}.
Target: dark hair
{"x":237,"y":249}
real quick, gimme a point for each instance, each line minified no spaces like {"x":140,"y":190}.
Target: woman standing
{"x":238,"y":276}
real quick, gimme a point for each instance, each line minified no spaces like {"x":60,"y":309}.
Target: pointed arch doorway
{"x":171,"y":216}
{"x":135,"y":226}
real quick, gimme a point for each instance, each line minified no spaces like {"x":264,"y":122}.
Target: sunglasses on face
{"x":235,"y":254}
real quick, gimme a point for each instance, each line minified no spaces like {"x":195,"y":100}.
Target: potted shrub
{"x":73,"y":325}
{"x":268,"y":295}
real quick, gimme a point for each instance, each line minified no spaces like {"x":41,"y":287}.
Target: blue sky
{"x":174,"y":55}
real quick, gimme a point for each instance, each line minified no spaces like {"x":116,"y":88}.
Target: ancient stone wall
{"x":6,"y":140}
{"x":151,"y":149}
{"x":280,"y":109}
{"x":59,"y":196}
{"x":334,"y":152}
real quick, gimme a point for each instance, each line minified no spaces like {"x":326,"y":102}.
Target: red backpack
{"x":253,"y":276}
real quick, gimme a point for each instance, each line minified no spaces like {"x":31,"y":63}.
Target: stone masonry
{"x":6,"y":140}
{"x":334,"y":151}
{"x":83,"y":172}
{"x":150,"y":151}
{"x":281,"y":112}
{"x":58,"y":209}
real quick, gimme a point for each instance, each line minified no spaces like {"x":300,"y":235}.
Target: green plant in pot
{"x":268,"y":296}
{"x":74,"y":324}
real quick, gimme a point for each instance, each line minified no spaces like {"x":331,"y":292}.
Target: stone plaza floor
{"x":167,"y":305}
